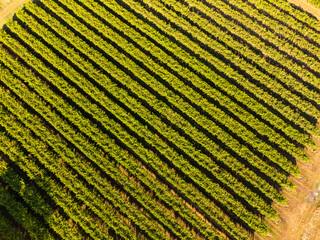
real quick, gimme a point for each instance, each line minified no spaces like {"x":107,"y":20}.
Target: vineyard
{"x":154,"y":119}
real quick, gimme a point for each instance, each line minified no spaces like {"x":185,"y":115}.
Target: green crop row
{"x":200,"y":49}
{"x":179,"y":106}
{"x":57,"y":121}
{"x":206,"y":106}
{"x":283,"y":46}
{"x":68,"y":178}
{"x":86,"y":194}
{"x":178,"y":140}
{"x":171,"y":115}
{"x":34,"y":98}
{"x":194,"y":44}
{"x":81,"y":169}
{"x":234,"y":50}
{"x":136,"y":108}
{"x":78,"y":100}
{"x":76,"y":26}
{"x":162,"y":119}
{"x":231,"y":91}
{"x":295,"y":15}
{"x":22,"y":215}
{"x":58,"y":223}
{"x":298,"y":71}
{"x":153,"y":207}
{"x":295,"y":19}
{"x":67,"y":155}
{"x":56,"y":191}
{"x":98,"y":77}
{"x":245,"y":134}
{"x":279,"y":27}
{"x":315,"y":3}
{"x":9,"y":229}
{"x":146,"y":177}
{"x":43,"y":18}
{"x":178,"y":101}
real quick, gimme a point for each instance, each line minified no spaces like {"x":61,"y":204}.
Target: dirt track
{"x":307,"y":6}
{"x":9,"y":8}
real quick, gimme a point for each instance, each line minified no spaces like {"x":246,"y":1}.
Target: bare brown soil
{"x":307,"y":7}
{"x":300,"y":218}
{"x":8,"y":8}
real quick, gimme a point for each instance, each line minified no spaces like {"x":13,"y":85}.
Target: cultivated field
{"x":158,"y":119}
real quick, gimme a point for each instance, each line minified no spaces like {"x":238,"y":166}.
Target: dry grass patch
{"x":300,"y":219}
{"x":8,"y":8}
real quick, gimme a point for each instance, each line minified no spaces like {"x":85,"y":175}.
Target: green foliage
{"x":163,"y":119}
